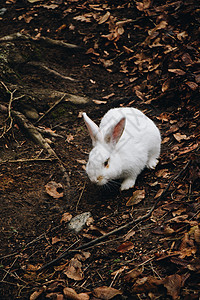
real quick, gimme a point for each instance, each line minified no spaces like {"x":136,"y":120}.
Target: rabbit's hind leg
{"x":152,"y":162}
{"x":153,"y":157}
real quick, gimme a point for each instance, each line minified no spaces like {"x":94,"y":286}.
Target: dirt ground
{"x":137,"y":54}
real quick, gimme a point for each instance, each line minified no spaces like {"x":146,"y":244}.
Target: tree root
{"x":25,"y":37}
{"x":53,"y":72}
{"x":36,"y":136}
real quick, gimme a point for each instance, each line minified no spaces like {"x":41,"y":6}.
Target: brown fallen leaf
{"x":72,"y":294}
{"x":132,"y":275}
{"x":106,"y":292}
{"x":177,"y":71}
{"x":66,"y":217}
{"x":53,"y":189}
{"x":192,"y":85}
{"x":164,"y":117}
{"x":179,"y":137}
{"x":104,"y":18}
{"x":163,"y":173}
{"x":165,"y":85}
{"x":126,"y":246}
{"x":84,"y":18}
{"x":137,"y":197}
{"x":83,"y":255}
{"x":197,"y":234}
{"x":36,"y":294}
{"x":140,"y":95}
{"x":173,"y":284}
{"x":81,"y":161}
{"x":146,"y":284}
{"x":74,"y":270}
{"x":55,"y":240}
{"x":70,"y":137}
{"x":159,"y":193}
{"x":186,"y":58}
{"x":55,"y":296}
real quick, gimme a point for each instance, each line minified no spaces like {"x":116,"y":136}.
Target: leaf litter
{"x":156,"y":51}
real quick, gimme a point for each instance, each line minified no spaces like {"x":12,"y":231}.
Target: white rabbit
{"x":124,"y":144}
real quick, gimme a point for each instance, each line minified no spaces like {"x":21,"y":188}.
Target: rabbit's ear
{"x":92,"y":128}
{"x":116,"y":132}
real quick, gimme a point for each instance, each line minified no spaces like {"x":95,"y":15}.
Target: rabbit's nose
{"x":99,"y":178}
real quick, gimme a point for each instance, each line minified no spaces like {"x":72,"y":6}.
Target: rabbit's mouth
{"x":100,"y":180}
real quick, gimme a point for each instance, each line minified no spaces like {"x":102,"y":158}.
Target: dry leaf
{"x":66,"y":217}
{"x":165,"y":140}
{"x":74,"y":270}
{"x":140,"y":95}
{"x":146,"y":284}
{"x":177,"y":71}
{"x":72,"y":295}
{"x":70,"y":137}
{"x":109,"y":96}
{"x":165,"y":85}
{"x":159,"y":193}
{"x":179,"y":137}
{"x":137,"y":197}
{"x":163,"y":173}
{"x":106,"y":292}
{"x":55,"y":296}
{"x":132,"y":275}
{"x":197,"y":234}
{"x":192,"y":85}
{"x":55,"y":240}
{"x":161,"y":25}
{"x":53,"y":189}
{"x":129,"y":235}
{"x":81,"y":161}
{"x":104,"y":18}
{"x":84,"y":18}
{"x":173,"y":284}
{"x":125,"y":247}
{"x":36,"y":294}
{"x":186,"y":58}
{"x":164,"y":117}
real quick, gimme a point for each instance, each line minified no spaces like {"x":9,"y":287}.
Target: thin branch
{"x":51,"y":108}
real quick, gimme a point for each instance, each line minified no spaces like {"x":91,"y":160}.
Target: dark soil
{"x":123,"y":71}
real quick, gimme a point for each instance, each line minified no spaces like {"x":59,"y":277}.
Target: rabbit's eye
{"x":106,"y":163}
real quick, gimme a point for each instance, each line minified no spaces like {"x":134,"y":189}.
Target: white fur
{"x":131,"y":142}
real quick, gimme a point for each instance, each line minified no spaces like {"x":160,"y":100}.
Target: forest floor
{"x":143,"y":243}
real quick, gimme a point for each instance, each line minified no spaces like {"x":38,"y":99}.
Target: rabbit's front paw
{"x":128,"y":183}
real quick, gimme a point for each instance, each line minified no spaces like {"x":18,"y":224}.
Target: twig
{"x":139,"y":219}
{"x":80,"y":197}
{"x":7,"y":271}
{"x":50,"y":109}
{"x":26,"y":160}
{"x":58,"y":258}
